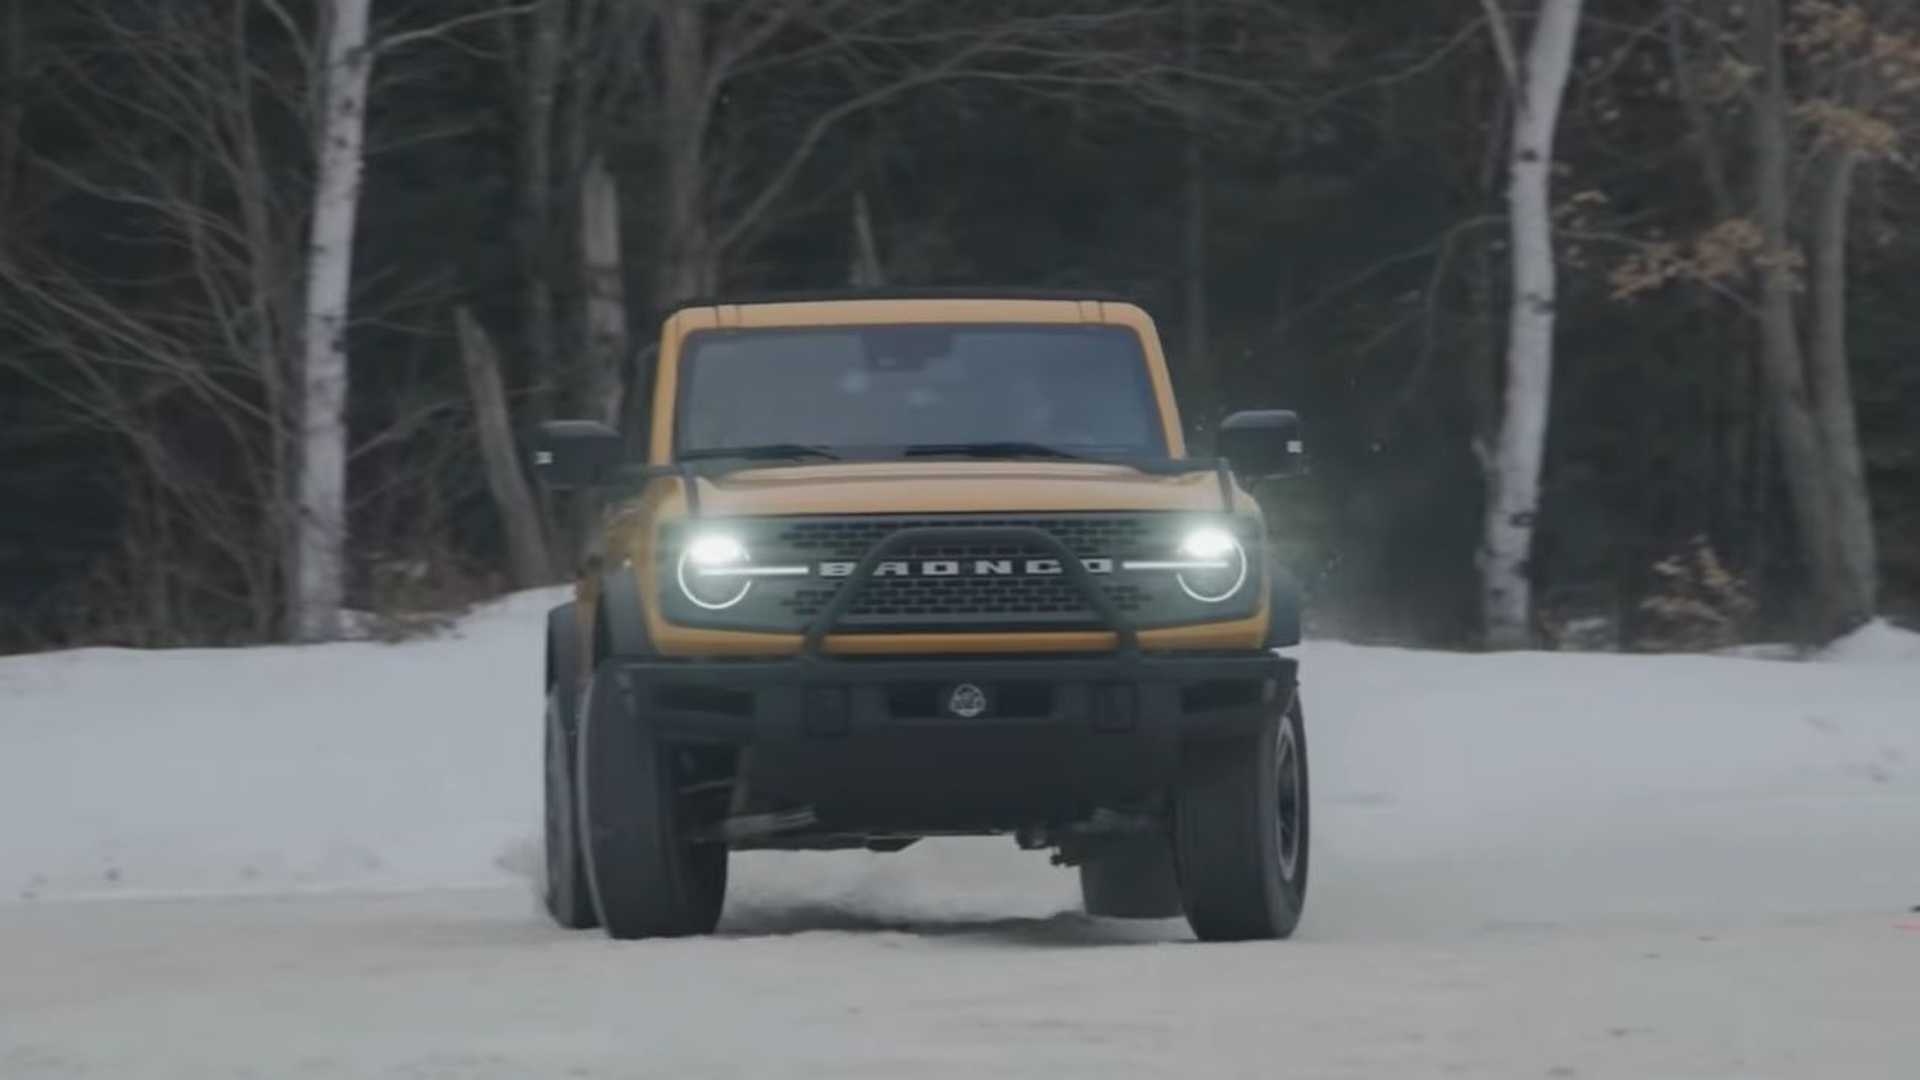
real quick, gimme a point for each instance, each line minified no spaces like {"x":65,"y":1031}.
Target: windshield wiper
{"x":993,"y":450}
{"x":765,"y":452}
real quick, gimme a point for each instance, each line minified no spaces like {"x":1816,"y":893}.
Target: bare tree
{"x":691,"y":81}
{"x":1869,"y":55}
{"x":876,"y":53}
{"x":185,"y":347}
{"x":319,"y":587}
{"x":1804,"y":451}
{"x":1513,"y":467}
{"x":177,"y":333}
{"x":1199,"y":358}
{"x":1783,"y":261}
{"x":604,"y":271}
{"x":575,"y":66}
{"x":526,"y":535}
{"x":15,"y":69}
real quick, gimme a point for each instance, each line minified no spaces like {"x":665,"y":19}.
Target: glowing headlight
{"x":715,"y":550}
{"x":1216,"y":566}
{"x":704,"y":568}
{"x":1208,"y":544}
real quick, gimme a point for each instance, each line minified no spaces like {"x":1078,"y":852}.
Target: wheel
{"x":565,"y":890}
{"x":1132,"y":878}
{"x":568,"y":896}
{"x":646,"y":877}
{"x":1240,"y":832}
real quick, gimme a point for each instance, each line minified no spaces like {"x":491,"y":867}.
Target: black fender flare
{"x":1283,"y":607}
{"x":620,"y":622}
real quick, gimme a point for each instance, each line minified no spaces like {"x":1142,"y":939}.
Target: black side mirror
{"x":1261,"y":444}
{"x":571,"y":454}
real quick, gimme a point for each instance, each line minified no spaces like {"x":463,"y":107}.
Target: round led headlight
{"x":1215,"y":567}
{"x":711,"y":571}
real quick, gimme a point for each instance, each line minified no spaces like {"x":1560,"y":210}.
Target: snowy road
{"x":310,"y":863}
{"x":471,"y":985}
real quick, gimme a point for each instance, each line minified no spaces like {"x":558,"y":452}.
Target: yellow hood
{"x":933,"y":487}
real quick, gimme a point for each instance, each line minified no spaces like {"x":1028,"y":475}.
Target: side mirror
{"x":1261,"y":444}
{"x":571,"y":454}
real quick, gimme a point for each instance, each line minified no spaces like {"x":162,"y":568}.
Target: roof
{"x":963,"y":292}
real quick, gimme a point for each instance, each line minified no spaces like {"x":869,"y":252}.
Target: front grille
{"x":925,"y":597}
{"x":1047,"y":600}
{"x":971,"y":600}
{"x":1129,"y":536}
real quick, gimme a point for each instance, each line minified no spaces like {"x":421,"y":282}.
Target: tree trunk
{"x":319,"y":586}
{"x":1199,"y":356}
{"x":1832,"y":385}
{"x":867,"y":271}
{"x":689,"y":268}
{"x":1686,"y":77}
{"x":512,"y":495}
{"x":1513,"y":469}
{"x":13,"y":110}
{"x":537,"y":194}
{"x":1803,"y":452}
{"x":602,"y":381}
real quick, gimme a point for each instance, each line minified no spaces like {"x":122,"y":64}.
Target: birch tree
{"x":321,"y":481}
{"x":1513,"y":466}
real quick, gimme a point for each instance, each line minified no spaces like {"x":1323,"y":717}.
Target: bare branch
{"x":394,"y":42}
{"x":1503,"y":43}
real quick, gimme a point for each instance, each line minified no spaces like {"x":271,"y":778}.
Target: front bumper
{"x":873,"y":745}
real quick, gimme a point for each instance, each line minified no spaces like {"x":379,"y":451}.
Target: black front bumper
{"x":875,"y":745}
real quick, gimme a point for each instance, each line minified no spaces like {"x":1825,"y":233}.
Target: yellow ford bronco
{"x":896,"y":566}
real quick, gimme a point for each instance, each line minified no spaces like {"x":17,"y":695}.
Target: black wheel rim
{"x":1289,"y":791}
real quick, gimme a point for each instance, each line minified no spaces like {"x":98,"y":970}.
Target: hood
{"x":934,"y":487}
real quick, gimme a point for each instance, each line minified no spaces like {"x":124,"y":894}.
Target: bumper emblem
{"x":967,"y":701}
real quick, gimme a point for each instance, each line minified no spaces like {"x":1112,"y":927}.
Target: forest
{"x":275,"y":274}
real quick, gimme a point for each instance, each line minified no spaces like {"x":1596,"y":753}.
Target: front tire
{"x":1240,"y":832}
{"x":569,"y":897}
{"x":647,"y":878}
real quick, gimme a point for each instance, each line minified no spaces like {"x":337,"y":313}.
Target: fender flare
{"x":620,"y":623}
{"x":1283,"y":607}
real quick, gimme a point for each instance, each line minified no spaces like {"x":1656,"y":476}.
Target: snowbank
{"x":354,"y":765}
{"x":1878,"y":642}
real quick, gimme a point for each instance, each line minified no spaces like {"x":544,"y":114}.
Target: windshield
{"x":885,"y":390}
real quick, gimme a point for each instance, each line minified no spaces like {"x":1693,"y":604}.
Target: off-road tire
{"x":1240,"y":832}
{"x":1131,"y":878}
{"x":568,"y":895}
{"x":647,"y":879}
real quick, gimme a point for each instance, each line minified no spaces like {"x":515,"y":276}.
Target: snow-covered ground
{"x":316,"y":862}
